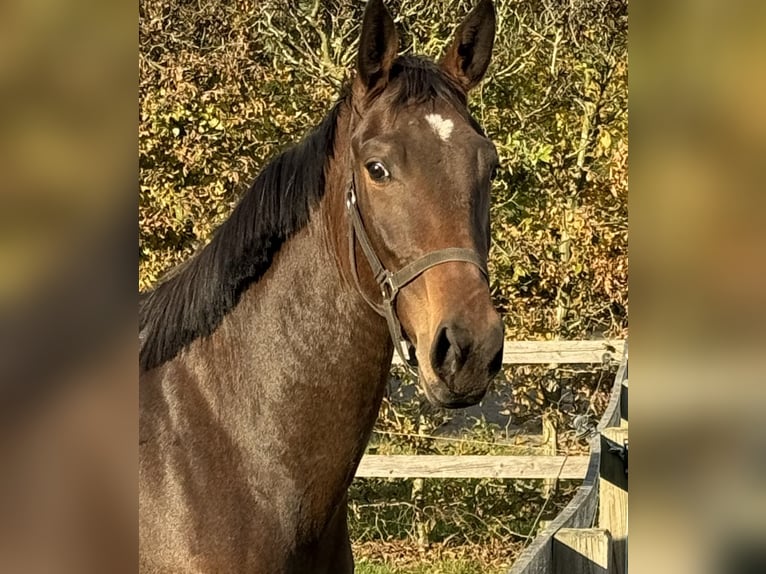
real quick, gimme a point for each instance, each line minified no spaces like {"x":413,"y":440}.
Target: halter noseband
{"x":391,"y":283}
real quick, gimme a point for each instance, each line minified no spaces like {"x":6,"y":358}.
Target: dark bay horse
{"x":265,"y":357}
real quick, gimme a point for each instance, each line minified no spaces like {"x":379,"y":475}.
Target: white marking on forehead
{"x":442,"y":127}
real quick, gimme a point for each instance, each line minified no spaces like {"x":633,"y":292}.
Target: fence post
{"x":582,"y":551}
{"x":418,"y":500}
{"x":550,"y":440}
{"x":613,"y":494}
{"x":421,"y":529}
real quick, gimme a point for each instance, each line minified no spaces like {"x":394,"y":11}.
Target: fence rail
{"x":473,"y":466}
{"x":552,"y":352}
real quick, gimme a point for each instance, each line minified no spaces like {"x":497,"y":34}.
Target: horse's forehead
{"x":441,"y":126}
{"x":433,"y":130}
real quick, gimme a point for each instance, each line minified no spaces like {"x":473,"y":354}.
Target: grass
{"x":402,"y":557}
{"x":446,"y":566}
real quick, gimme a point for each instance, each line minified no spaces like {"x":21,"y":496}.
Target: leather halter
{"x":391,"y":283}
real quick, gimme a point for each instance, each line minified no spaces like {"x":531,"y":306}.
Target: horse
{"x":265,"y":357}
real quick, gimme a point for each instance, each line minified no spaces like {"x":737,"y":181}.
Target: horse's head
{"x":422,"y":170}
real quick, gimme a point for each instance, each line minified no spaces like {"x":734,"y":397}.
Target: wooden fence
{"x":569,"y":543}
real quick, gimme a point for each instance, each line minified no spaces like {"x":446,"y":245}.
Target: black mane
{"x":193,"y":300}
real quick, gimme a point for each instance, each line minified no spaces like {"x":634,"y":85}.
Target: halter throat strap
{"x":390,"y":283}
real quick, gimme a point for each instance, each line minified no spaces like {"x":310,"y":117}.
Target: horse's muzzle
{"x":464,"y":359}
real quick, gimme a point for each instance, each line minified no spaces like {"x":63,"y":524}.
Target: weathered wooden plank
{"x":613,"y":495}
{"x":565,"y":352}
{"x":624,"y":404}
{"x":582,"y":551}
{"x":472,"y":466}
{"x":613,"y":412}
{"x":544,"y":352}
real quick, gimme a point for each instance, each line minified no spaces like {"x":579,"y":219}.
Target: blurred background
{"x":698,"y":286}
{"x":68,"y":395}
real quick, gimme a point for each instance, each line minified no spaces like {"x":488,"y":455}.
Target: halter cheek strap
{"x":391,"y":283}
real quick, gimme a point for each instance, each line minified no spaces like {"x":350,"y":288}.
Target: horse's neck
{"x":297,"y":372}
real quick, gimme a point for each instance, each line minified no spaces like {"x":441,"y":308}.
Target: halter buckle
{"x":350,"y":197}
{"x":388,"y":288}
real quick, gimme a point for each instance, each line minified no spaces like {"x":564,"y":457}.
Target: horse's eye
{"x":377,"y":171}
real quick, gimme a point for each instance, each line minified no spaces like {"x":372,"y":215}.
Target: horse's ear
{"x":378,"y":46}
{"x":467,"y":58}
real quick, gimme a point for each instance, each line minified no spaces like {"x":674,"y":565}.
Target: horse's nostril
{"x":450,"y":350}
{"x":440,"y":349}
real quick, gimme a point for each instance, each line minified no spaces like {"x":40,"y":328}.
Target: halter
{"x":391,"y":283}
